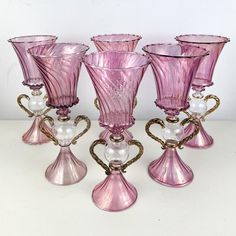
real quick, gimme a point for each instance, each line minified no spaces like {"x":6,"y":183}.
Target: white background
{"x":77,"y":21}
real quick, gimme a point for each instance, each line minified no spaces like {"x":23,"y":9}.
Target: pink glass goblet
{"x":203,"y":78}
{"x":115,"y":42}
{"x":59,"y":65}
{"x":116,"y":77}
{"x":174,"y":68}
{"x":32,"y":79}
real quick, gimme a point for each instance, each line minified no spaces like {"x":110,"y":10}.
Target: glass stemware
{"x":203,"y":78}
{"x":32,"y":79}
{"x":116,"y":77}
{"x":174,"y":68}
{"x":59,"y":65}
{"x":115,"y":42}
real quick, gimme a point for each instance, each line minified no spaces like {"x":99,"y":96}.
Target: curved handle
{"x":194,"y":133}
{"x":30,"y":113}
{"x":46,"y":111}
{"x":135,"y":102}
{"x":96,"y":158}
{"x":49,"y":108}
{"x":217,"y":104}
{"x":187,"y":113}
{"x":134,"y":159}
{"x":76,"y":122}
{"x":96,"y":103}
{"x":46,"y":132}
{"x":149,"y":133}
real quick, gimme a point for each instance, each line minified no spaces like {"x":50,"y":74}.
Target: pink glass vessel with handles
{"x":116,"y":77}
{"x":203,"y":78}
{"x":116,"y":42}
{"x":174,"y":67}
{"x":60,"y":64}
{"x":32,"y":79}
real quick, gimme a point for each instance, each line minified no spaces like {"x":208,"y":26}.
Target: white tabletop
{"x":31,"y":206}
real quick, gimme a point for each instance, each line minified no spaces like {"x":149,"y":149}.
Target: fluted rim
{"x":202,"y":51}
{"x":23,"y":39}
{"x":83,"y":50}
{"x":147,"y":60}
{"x":97,"y":38}
{"x":221,"y":39}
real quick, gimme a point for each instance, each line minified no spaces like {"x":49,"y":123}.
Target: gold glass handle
{"x":30,"y":113}
{"x":46,"y":111}
{"x":96,"y":158}
{"x":46,"y":132}
{"x":134,"y":159}
{"x":149,"y":133}
{"x":217,"y":104}
{"x":194,"y":133}
{"x":96,"y":103}
{"x":187,"y":113}
{"x":45,"y":97}
{"x":135,"y":102}
{"x":76,"y":122}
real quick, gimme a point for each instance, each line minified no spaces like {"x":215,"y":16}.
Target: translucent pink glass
{"x":116,"y":42}
{"x":60,"y":66}
{"x":174,"y":67}
{"x":32,"y":77}
{"x":213,"y":44}
{"x":116,"y":77}
{"x":115,"y":193}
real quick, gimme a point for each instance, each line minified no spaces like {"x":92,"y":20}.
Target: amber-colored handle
{"x":187,"y":113}
{"x":149,"y":133}
{"x":217,"y":104}
{"x":30,"y":113}
{"x":49,"y":108}
{"x":96,"y":158}
{"x":194,"y":133}
{"x":96,"y":103}
{"x":46,"y":132}
{"x":134,"y":159}
{"x":135,"y":102}
{"x":76,"y":122}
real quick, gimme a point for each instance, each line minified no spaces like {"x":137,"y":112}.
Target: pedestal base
{"x":105,"y":134}
{"x":201,"y":140}
{"x":170,"y":170}
{"x":66,"y":169}
{"x":34,"y":136}
{"x":114,"y":193}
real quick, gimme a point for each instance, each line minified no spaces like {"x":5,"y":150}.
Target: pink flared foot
{"x":201,"y":140}
{"x":114,"y":193}
{"x":66,"y":169}
{"x":105,"y":134}
{"x":170,"y":170}
{"x":34,"y":136}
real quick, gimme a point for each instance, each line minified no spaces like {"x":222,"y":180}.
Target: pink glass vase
{"x":32,"y":79}
{"x":59,"y":65}
{"x":116,"y":77}
{"x":203,"y":78}
{"x":174,"y":68}
{"x":115,"y":42}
